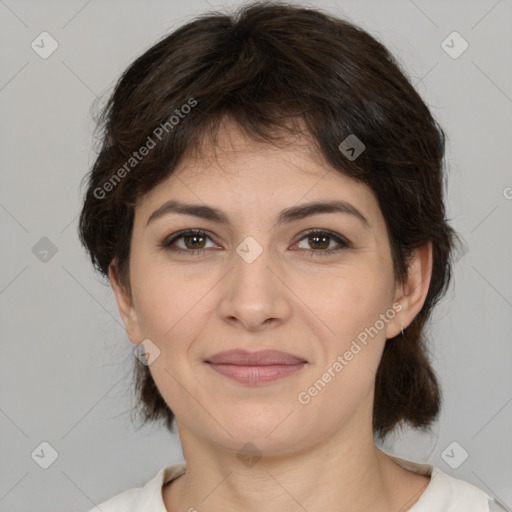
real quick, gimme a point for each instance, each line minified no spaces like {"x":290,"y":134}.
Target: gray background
{"x":66,"y":361}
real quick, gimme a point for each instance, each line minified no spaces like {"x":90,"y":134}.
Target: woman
{"x":268,"y":207}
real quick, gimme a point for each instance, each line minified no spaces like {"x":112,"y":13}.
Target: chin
{"x":265,"y":431}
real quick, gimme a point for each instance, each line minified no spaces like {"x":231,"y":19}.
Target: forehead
{"x":237,"y":173}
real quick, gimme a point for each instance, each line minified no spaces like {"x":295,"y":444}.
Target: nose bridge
{"x":253,"y":293}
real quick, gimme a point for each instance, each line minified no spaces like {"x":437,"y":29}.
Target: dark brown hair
{"x":279,"y":70}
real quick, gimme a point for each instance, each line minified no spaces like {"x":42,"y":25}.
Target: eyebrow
{"x":286,"y":216}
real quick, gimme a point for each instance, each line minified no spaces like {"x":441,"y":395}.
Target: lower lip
{"x":256,"y":374}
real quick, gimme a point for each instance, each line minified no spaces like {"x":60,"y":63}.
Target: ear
{"x":411,"y":295}
{"x":125,"y":305}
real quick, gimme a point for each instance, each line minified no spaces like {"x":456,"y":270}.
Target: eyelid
{"x":342,"y":241}
{"x":328,"y":232}
{"x":167,"y":241}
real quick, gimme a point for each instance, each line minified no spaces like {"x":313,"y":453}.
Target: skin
{"x":192,"y":307}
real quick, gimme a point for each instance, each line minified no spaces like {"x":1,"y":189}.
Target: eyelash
{"x":344,"y":244}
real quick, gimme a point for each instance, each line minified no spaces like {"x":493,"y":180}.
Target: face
{"x":319,"y":286}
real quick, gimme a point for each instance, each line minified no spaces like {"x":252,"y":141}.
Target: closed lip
{"x":260,"y":358}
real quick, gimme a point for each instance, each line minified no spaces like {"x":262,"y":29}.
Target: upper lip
{"x":261,"y":358}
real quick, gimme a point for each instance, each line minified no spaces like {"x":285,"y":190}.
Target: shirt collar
{"x":442,"y":493}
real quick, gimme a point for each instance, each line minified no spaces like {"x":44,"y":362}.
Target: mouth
{"x":255,"y":367}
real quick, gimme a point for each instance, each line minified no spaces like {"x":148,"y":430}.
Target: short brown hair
{"x":267,"y":66}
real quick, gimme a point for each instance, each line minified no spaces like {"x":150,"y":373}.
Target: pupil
{"x":322,"y":237}
{"x":195,"y":238}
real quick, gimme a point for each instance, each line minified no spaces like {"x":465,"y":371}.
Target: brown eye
{"x":194,"y":241}
{"x":191,"y":241}
{"x":320,"y":241}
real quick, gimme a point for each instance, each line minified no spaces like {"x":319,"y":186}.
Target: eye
{"x":193,"y":241}
{"x":320,"y":240}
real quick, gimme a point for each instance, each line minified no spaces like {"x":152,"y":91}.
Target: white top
{"x":444,"y":493}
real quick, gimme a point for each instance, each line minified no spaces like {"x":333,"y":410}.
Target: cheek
{"x":349,"y":303}
{"x":167,"y":302}
{"x":352,"y":310}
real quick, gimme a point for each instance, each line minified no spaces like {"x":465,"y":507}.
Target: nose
{"x":254,"y":293}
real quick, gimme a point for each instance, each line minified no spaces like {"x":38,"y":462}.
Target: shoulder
{"x":447,"y":493}
{"x":121,"y":502}
{"x":142,"y":499}
{"x":452,"y":494}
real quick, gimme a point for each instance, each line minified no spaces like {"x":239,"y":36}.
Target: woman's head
{"x":250,"y":114}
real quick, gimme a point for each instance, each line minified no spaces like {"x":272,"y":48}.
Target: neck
{"x":333,"y":475}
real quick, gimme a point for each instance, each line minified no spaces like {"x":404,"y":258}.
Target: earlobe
{"x":411,"y":295}
{"x":125,"y":305}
